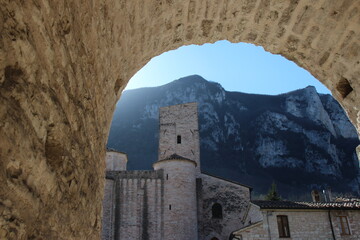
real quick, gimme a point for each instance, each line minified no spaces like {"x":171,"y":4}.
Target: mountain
{"x":301,"y":139}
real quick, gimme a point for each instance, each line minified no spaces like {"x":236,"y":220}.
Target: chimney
{"x":329,"y":194}
{"x":325,"y":197}
{"x":315,"y":195}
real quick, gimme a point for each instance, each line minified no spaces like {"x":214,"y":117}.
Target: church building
{"x":175,"y":201}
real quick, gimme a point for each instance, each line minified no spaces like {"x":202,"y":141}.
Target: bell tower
{"x":179,"y":159}
{"x":179,"y":133}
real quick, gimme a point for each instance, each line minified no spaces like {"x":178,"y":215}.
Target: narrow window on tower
{"x":170,"y":207}
{"x":178,"y":139}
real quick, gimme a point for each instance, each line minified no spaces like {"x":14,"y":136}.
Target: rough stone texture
{"x":234,"y":199}
{"x":133,"y":205}
{"x":178,"y":205}
{"x":180,"y":212}
{"x":64,"y":64}
{"x":303,"y":224}
{"x":115,"y":161}
{"x":108,"y":217}
{"x":253,"y":215}
{"x":180,"y":121}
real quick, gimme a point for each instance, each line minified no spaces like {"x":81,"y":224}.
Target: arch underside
{"x":64,"y":65}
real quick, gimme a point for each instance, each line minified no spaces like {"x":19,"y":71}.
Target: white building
{"x":277,"y":220}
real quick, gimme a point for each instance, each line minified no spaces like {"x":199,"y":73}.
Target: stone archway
{"x":64,"y":64}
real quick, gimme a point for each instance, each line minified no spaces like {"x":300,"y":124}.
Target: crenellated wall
{"x":108,"y":204}
{"x":133,"y":205}
{"x":63,"y":65}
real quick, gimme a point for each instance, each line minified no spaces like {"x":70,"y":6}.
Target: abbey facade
{"x":175,"y":200}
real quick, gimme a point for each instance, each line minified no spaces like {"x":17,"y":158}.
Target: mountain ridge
{"x":249,"y":138}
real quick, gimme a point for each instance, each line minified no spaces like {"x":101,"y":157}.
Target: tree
{"x":272,"y":195}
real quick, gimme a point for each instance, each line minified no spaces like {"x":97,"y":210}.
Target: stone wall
{"x":115,"y":161}
{"x":180,"y":212}
{"x":63,"y":65}
{"x":303,"y":224}
{"x":133,"y":205}
{"x":180,"y":120}
{"x":108,"y":218}
{"x":234,"y":199}
{"x":253,"y":215}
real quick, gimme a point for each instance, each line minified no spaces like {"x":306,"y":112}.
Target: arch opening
{"x":216,"y":211}
{"x":187,"y":53}
{"x":70,"y":65}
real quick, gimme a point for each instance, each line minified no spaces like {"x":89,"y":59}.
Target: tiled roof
{"x":354,"y":205}
{"x":175,"y":157}
{"x":227,"y":180}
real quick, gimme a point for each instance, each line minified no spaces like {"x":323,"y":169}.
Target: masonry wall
{"x":253,"y":215}
{"x":255,"y":231}
{"x":354,"y":223}
{"x":107,"y":232}
{"x":308,"y":224}
{"x":233,"y":198}
{"x":115,"y":161}
{"x":180,"y":120}
{"x":137,"y":210}
{"x":180,"y":212}
{"x":64,"y":64}
{"x":311,"y":225}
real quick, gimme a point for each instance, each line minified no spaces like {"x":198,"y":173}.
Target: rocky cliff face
{"x":300,"y":139}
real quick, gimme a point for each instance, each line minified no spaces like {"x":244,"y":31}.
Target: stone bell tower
{"x":179,"y":159}
{"x":179,"y":132}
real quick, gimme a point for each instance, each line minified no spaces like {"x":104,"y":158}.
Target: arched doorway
{"x":64,"y":65}
{"x":216,"y":211}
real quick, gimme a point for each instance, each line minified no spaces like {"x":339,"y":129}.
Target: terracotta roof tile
{"x":354,"y":205}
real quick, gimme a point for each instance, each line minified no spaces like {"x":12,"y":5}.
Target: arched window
{"x":216,"y":210}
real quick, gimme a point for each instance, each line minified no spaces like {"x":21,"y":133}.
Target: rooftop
{"x":108,"y":149}
{"x":353,"y":205}
{"x":176,"y":157}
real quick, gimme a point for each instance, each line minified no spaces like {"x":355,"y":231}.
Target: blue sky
{"x":238,"y":67}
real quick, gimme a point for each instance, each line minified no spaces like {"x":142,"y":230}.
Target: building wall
{"x":309,"y":224}
{"x":64,"y":65}
{"x":233,"y":198}
{"x":354,"y":223}
{"x":256,"y":231}
{"x":136,"y":211}
{"x":115,"y":161}
{"x":180,"y":212}
{"x":253,"y":215}
{"x":180,"y":120}
{"x":107,"y":232}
